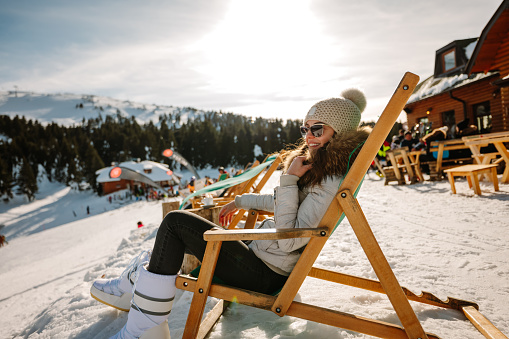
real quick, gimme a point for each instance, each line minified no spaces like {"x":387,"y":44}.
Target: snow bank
{"x":450,"y":245}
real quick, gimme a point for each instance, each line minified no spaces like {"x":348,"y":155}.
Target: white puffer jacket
{"x":293,"y":208}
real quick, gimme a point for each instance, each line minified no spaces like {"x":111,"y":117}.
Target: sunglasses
{"x":316,"y":130}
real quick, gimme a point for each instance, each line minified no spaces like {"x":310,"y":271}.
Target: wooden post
{"x":211,"y":214}
{"x":440,"y":157}
{"x":170,"y":206}
{"x":189,"y":263}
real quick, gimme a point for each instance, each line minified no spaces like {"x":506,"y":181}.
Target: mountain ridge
{"x":69,"y":109}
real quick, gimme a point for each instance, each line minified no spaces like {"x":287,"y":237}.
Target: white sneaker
{"x":117,"y":292}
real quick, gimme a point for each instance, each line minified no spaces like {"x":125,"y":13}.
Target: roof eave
{"x":484,"y":34}
{"x":450,"y":89}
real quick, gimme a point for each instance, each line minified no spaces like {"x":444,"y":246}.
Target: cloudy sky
{"x":270,"y":58}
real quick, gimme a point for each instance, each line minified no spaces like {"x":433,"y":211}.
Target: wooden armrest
{"x":264,"y":234}
{"x":265,"y":213}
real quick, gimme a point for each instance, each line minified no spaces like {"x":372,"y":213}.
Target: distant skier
{"x":3,"y":241}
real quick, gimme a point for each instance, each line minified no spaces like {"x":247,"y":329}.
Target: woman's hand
{"x":297,"y":166}
{"x":226,"y":213}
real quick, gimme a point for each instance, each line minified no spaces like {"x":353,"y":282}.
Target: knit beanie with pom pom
{"x":343,"y":113}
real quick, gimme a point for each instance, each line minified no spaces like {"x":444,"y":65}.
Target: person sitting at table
{"x":421,"y":144}
{"x":395,"y":142}
{"x":438,"y":134}
{"x":223,"y":174}
{"x":409,"y":141}
{"x":464,"y":129}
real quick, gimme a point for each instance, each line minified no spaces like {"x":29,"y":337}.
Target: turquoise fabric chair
{"x":223,"y":184}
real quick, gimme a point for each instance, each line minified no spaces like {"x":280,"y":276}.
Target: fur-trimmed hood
{"x":334,"y":159}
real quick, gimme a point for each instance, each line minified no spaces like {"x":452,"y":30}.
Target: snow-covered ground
{"x":450,"y":245}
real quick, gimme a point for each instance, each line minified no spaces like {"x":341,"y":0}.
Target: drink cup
{"x":208,"y":201}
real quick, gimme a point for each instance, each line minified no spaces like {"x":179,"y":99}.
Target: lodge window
{"x":147,"y":170}
{"x":449,"y":120}
{"x":482,"y":114}
{"x":449,"y":60}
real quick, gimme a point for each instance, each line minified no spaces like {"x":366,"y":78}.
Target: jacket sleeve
{"x":288,"y":213}
{"x":260,"y":202}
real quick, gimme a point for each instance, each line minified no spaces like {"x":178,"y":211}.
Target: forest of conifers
{"x":72,"y":155}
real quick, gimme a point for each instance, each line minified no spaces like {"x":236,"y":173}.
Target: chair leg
{"x":212,"y":318}
{"x":495,"y":179}
{"x":202,"y":289}
{"x":481,"y":323}
{"x":451,"y":181}
{"x":475,"y":179}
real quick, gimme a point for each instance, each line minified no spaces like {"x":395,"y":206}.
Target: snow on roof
{"x":158,"y":171}
{"x":433,"y":86}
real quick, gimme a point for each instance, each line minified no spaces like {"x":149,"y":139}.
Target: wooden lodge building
{"x":470,"y":84}
{"x":136,"y":175}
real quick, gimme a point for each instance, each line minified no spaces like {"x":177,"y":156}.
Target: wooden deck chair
{"x":247,"y":179}
{"x":230,"y":192}
{"x":284,"y":304}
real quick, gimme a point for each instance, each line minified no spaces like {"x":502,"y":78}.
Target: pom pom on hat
{"x":355,"y":96}
{"x":343,"y":113}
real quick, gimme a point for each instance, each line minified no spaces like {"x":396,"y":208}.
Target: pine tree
{"x":93,"y":162}
{"x":26,"y":181}
{"x":73,"y":154}
{"x":6,"y":180}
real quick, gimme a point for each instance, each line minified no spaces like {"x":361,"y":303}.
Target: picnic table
{"x":475,"y":142}
{"x":441,"y":162}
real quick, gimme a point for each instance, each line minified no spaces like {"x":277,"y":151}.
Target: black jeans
{"x":237,"y":265}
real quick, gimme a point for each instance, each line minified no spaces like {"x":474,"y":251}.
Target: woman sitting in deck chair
{"x":313,"y":171}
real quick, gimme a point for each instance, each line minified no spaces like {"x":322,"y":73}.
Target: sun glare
{"x":268,"y":46}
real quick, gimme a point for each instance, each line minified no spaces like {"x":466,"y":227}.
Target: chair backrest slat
{"x":351,"y":183}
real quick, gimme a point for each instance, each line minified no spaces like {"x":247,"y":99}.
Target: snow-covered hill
{"x":68,"y":109}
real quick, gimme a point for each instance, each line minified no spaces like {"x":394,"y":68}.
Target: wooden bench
{"x":471,"y":172}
